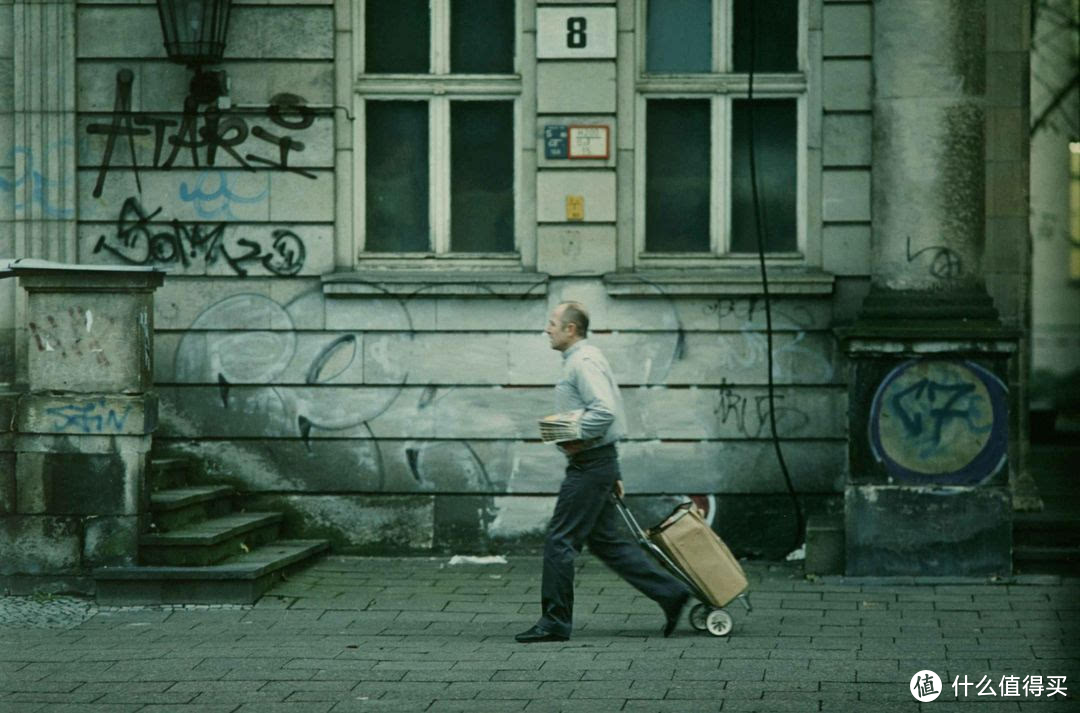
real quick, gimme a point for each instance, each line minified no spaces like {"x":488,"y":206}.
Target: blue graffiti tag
{"x":38,"y":181}
{"x":201,"y":197}
{"x":81,"y":417}
{"x":922,"y":396}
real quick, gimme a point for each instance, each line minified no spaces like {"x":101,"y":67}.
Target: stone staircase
{"x":1048,"y":542}
{"x":198,"y":550}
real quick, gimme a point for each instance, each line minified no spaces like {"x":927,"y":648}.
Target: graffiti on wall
{"x":140,"y":241}
{"x":936,"y":421}
{"x":34,"y":174}
{"x":203,"y":137}
{"x":73,"y":333}
{"x":945,"y":263}
{"x":91,"y":417}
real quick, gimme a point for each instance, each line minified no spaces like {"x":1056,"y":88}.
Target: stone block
{"x":460,"y":521}
{"x":584,"y":250}
{"x":254,"y":32}
{"x":848,"y":31}
{"x":848,"y":85}
{"x":1007,"y":82}
{"x":1006,"y":134}
{"x":110,"y":542}
{"x":575,"y":87}
{"x":160,"y":86}
{"x":847,"y":140}
{"x":1008,"y":25}
{"x":825,"y":545}
{"x":846,"y":196}
{"x":39,"y":544}
{"x":79,"y":484}
{"x":597,"y":188}
{"x":89,"y":341}
{"x":956,"y":532}
{"x":7,"y":178}
{"x":7,"y":84}
{"x":1006,"y":196}
{"x":7,"y":22}
{"x":8,"y":503}
{"x":78,"y":414}
{"x":846,"y":249}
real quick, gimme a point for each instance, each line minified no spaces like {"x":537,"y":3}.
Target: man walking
{"x":584,"y":510}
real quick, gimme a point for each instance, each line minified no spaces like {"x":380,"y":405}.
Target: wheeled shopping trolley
{"x":688,"y":548}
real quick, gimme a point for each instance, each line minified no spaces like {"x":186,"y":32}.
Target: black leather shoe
{"x":673,"y":613}
{"x":535,"y":635}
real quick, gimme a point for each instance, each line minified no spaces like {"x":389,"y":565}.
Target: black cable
{"x":759,"y":231}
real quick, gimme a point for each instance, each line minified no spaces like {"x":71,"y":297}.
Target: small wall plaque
{"x":575,"y":208}
{"x":555,"y":141}
{"x":588,"y":142}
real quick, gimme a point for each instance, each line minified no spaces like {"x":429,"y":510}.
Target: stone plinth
{"x":930,"y":451}
{"x":73,"y":459}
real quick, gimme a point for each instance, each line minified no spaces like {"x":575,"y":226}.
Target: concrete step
{"x":1047,"y":529}
{"x":179,"y":507}
{"x":211,"y":541}
{"x":240,"y":579}
{"x":1047,"y":559}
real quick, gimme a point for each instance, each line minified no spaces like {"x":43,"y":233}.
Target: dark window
{"x":397,"y":37}
{"x":678,"y":36}
{"x":482,"y":36}
{"x":677,"y":175}
{"x":481,"y":176}
{"x":774,"y":35}
{"x":397,"y":177}
{"x":775,"y":164}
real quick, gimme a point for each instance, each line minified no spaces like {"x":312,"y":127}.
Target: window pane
{"x":677,"y":174}
{"x":397,"y":177}
{"x":775,"y":163}
{"x":775,"y":36}
{"x":482,"y":36}
{"x":481,"y":176}
{"x":678,"y":36}
{"x":397,"y":37}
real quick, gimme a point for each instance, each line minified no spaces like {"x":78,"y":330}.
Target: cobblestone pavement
{"x":361,"y":634}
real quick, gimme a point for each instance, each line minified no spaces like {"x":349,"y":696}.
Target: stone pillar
{"x":44,"y":179}
{"x":927,"y":490}
{"x":82,"y":429}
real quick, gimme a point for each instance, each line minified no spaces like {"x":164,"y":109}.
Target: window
{"x":695,"y":124}
{"x":438,"y":104}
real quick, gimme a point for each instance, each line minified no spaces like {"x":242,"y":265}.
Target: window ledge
{"x":456,"y":283}
{"x":710,"y":283}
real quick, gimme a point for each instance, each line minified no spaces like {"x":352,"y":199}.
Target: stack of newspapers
{"x":559,"y":427}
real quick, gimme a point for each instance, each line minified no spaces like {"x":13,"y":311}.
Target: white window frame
{"x":437,"y":89}
{"x":720,"y":87}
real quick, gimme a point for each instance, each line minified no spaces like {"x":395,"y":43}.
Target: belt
{"x":594,"y":453}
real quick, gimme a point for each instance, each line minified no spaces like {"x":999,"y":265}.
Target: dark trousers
{"x":585,"y":513}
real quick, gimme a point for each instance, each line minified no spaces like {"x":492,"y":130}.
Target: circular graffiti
{"x":936,"y":421}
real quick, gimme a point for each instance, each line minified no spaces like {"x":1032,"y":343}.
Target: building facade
{"x":363,"y":239}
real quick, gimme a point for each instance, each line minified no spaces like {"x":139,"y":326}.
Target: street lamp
{"x":194,"y":32}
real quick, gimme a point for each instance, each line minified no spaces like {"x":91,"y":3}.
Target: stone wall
{"x":401,"y":416}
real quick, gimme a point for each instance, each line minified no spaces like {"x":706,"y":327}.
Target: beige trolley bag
{"x":686,"y":546}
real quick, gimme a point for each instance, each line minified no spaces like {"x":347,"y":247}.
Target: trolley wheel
{"x":698,"y":614}
{"x":719,"y":622}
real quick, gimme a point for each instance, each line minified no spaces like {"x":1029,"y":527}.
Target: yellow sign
{"x":575,"y":207}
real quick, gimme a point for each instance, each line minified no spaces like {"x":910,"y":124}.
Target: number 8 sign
{"x":575,"y":32}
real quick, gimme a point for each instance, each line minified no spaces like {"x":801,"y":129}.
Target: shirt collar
{"x":573,"y":348}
